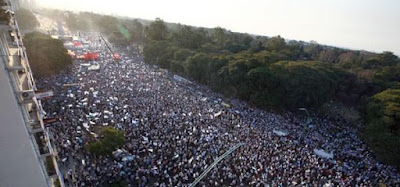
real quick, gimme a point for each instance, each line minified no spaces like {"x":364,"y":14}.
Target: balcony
{"x":16,"y":79}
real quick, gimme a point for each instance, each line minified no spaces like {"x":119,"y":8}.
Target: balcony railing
{"x":14,"y":54}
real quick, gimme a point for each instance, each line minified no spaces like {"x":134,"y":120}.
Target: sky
{"x":372,"y":25}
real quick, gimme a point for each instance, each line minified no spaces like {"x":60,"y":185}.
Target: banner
{"x":47,"y":122}
{"x":280,"y":133}
{"x":40,"y":94}
{"x":77,"y":44}
{"x":322,"y":153}
{"x":91,"y":56}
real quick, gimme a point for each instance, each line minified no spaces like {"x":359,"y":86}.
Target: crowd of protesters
{"x":175,"y":129}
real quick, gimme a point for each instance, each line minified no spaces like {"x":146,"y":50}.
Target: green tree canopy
{"x":26,"y":19}
{"x":385,"y":106}
{"x":110,"y":140}
{"x":383,"y":129}
{"x":46,"y":55}
{"x":275,"y":44}
{"x":197,"y":66}
{"x":188,"y":37}
{"x":388,"y":58}
{"x":157,"y":30}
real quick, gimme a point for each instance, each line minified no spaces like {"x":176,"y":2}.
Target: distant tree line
{"x":270,"y":71}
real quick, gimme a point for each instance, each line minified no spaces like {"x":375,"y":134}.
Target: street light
{"x":308,"y":121}
{"x":218,"y":159}
{"x":308,"y":116}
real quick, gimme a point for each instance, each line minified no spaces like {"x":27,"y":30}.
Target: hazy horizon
{"x":354,"y":24}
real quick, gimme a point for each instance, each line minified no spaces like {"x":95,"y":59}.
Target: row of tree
{"x":276,"y":73}
{"x":270,"y":71}
{"x":360,"y":74}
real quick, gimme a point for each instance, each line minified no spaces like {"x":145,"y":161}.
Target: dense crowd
{"x":175,"y":129}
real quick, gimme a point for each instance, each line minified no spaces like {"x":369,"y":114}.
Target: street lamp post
{"x":308,"y":121}
{"x":218,"y":159}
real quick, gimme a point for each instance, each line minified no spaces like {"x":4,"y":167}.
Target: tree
{"x":237,"y":72}
{"x":153,"y":50}
{"x":76,"y":22}
{"x":385,"y":106}
{"x":276,"y":43}
{"x":263,"y":84}
{"x":46,"y":55}
{"x":328,"y":55}
{"x":347,"y":59}
{"x":383,"y":129}
{"x":245,"y":39}
{"x":257,"y":45}
{"x":387,"y":58}
{"x":136,"y":29}
{"x":270,"y":57}
{"x":209,"y":48}
{"x":157,"y":30}
{"x":381,"y":60}
{"x":182,"y":54}
{"x":110,"y":140}
{"x":305,"y":84}
{"x":220,"y":37}
{"x":190,"y":38}
{"x":235,"y":48}
{"x":312,"y":51}
{"x":197,"y":67}
{"x":26,"y":20}
{"x":387,"y":77}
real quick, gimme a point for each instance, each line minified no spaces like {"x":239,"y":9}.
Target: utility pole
{"x":109,"y":48}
